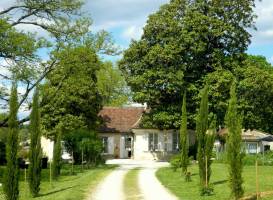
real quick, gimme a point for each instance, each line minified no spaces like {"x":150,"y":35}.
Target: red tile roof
{"x":120,"y":120}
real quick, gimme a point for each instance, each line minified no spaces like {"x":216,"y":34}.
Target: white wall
{"x":141,"y":146}
{"x":47,"y":146}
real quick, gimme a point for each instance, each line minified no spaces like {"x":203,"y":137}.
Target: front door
{"x":126,"y":146}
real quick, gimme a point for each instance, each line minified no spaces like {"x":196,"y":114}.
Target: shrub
{"x":175,"y":162}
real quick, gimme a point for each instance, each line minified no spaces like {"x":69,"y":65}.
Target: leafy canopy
{"x":183,"y":42}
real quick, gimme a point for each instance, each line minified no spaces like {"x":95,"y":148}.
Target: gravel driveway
{"x":111,"y":188}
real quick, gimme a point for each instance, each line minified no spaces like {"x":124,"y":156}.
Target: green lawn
{"x":190,"y":190}
{"x":68,"y":187}
{"x":130,"y":185}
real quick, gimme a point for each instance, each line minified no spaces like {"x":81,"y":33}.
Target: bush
{"x":86,"y":142}
{"x":250,"y":159}
{"x":175,"y":162}
{"x":266,"y":159}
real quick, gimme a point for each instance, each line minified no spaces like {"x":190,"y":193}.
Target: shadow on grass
{"x":56,"y":191}
{"x":219,"y":182}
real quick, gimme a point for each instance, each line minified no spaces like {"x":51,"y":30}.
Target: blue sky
{"x":126,"y":18}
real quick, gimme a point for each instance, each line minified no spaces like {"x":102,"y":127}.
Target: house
{"x":254,"y":141}
{"x":123,"y":137}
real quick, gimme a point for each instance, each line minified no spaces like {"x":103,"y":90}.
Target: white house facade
{"x":123,"y":138}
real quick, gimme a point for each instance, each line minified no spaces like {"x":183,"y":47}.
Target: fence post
{"x":257,"y":181}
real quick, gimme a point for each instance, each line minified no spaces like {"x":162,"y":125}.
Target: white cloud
{"x":129,"y":16}
{"x":264,"y":11}
{"x":132,"y":32}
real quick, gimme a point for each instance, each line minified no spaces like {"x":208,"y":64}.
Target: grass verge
{"x":219,"y":179}
{"x":130,"y":185}
{"x":67,"y":187}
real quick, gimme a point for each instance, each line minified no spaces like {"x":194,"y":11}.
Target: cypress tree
{"x":57,"y":155}
{"x":205,"y":140}
{"x":11,"y":176}
{"x":184,"y":138}
{"x":234,"y":141}
{"x":210,"y":139}
{"x":35,"y":154}
{"x":201,"y":129}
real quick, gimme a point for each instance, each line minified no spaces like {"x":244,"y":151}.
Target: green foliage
{"x":201,"y":129}
{"x":234,"y":149}
{"x":83,"y":141}
{"x":3,"y":140}
{"x":182,"y":43}
{"x":209,"y":144}
{"x":184,"y":141}
{"x":112,"y":86}
{"x":92,"y":148}
{"x":255,"y":83}
{"x":62,"y":21}
{"x":11,"y":176}
{"x":70,"y":95}
{"x":175,"y":162}
{"x":35,"y":154}
{"x":266,"y":159}
{"x":205,"y":141}
{"x":57,"y":154}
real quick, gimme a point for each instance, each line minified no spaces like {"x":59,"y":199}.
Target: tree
{"x":11,"y":176}
{"x":61,"y":20}
{"x":112,"y":86}
{"x":57,"y":154}
{"x":74,"y":79}
{"x":3,"y":140}
{"x":35,"y":154}
{"x":234,"y":142}
{"x":78,"y":101}
{"x":205,"y":141}
{"x":182,"y":42}
{"x":255,"y":94}
{"x":184,"y":138}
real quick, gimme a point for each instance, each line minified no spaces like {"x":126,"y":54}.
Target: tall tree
{"x":11,"y":176}
{"x":182,"y":42}
{"x":255,"y":93}
{"x":35,"y":153}
{"x":57,"y":154}
{"x":201,"y":130}
{"x":234,"y":142}
{"x":205,"y":141}
{"x":184,"y":141}
{"x":78,"y":101}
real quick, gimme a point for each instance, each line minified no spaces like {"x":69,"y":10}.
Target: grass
{"x":130,"y":185}
{"x":190,"y":190}
{"x":67,"y":187}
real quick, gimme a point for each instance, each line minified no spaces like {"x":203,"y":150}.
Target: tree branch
{"x":10,"y":9}
{"x":23,"y":17}
{"x":30,"y":87}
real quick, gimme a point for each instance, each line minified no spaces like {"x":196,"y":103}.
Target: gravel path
{"x":111,"y":188}
{"x":151,"y":188}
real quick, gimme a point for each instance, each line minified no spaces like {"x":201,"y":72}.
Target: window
{"x":105,"y":144}
{"x":176,"y":139}
{"x":252,"y":148}
{"x":128,"y":143}
{"x":153,"y":142}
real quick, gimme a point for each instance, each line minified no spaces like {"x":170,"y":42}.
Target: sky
{"x":124,"y":19}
